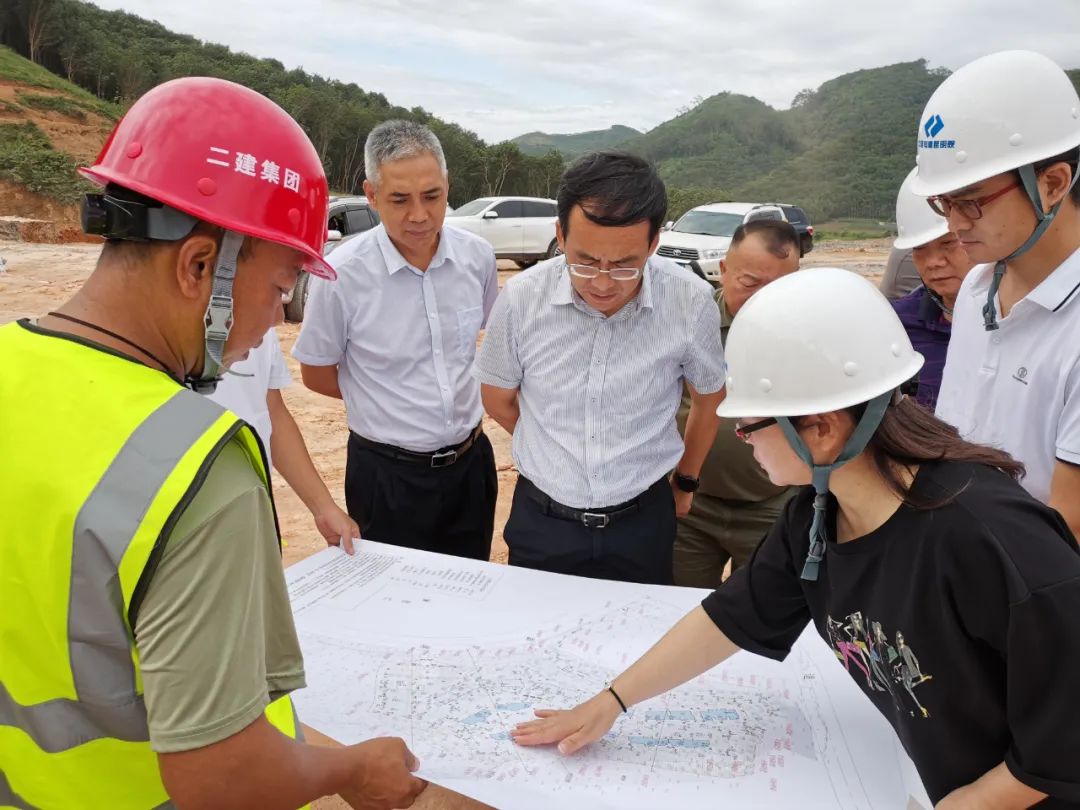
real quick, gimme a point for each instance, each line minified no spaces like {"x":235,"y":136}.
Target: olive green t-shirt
{"x":215,"y":632}
{"x":729,"y":471}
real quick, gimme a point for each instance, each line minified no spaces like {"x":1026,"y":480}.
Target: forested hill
{"x":839,"y":150}
{"x":118,"y":56}
{"x":571,"y":146}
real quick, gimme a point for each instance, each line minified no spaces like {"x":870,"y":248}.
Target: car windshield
{"x":473,"y":208}
{"x":708,"y":223}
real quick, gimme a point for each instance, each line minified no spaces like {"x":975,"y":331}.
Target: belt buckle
{"x":444,"y":459}
{"x":595,"y":520}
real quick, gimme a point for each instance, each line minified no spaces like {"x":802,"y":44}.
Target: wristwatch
{"x":687,"y":483}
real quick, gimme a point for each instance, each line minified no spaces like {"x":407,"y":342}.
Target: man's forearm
{"x":257,"y":768}
{"x":701,"y":425}
{"x":502,"y":405}
{"x":291,"y":457}
{"x":321,"y":379}
{"x":507,"y":417}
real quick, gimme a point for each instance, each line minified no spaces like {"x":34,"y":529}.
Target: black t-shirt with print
{"x":961,"y":623}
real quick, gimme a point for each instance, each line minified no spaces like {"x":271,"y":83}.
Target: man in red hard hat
{"x":148,"y":642}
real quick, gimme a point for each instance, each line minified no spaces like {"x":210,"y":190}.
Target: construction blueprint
{"x":450,"y":654}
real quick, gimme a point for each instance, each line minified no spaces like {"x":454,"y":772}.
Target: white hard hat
{"x":815,"y":341}
{"x":996,"y":114}
{"x":917,"y":223}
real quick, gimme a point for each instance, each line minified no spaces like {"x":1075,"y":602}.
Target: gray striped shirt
{"x":598,"y":396}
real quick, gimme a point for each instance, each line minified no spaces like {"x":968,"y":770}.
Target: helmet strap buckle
{"x":218,"y":321}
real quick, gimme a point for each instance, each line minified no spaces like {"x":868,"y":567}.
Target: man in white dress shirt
{"x":396,"y":338}
{"x":584,"y":362}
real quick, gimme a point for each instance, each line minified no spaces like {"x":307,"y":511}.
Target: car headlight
{"x":715,"y":253}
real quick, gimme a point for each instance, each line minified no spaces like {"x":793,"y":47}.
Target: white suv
{"x":701,"y":237}
{"x":519,"y":228}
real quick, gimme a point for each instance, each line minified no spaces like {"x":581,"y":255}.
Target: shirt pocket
{"x":468,"y":326}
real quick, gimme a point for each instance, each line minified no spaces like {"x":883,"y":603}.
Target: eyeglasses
{"x":615,"y":273}
{"x":970,"y":209}
{"x":744,"y":431}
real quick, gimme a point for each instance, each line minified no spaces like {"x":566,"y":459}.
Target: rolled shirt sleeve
{"x":279,"y":370}
{"x":497,"y":362}
{"x":324,"y":332}
{"x":704,"y":366}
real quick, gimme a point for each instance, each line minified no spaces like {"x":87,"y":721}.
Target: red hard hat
{"x":226,"y":155}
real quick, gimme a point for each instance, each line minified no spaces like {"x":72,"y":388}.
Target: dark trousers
{"x":636,"y":547}
{"x":450,"y":510}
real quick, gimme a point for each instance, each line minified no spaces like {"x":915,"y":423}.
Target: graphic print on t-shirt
{"x":886,"y":666}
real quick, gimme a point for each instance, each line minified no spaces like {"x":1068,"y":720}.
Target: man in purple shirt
{"x":926,"y":311}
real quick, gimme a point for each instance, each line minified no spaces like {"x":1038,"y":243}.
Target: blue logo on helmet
{"x":932,"y":127}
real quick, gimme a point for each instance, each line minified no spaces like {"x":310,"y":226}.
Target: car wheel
{"x":294,"y":310}
{"x":806,"y":244}
{"x":554,"y":249}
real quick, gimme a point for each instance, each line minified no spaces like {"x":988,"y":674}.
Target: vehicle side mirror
{"x":668,"y":225}
{"x":491,"y":215}
{"x":333,"y":236}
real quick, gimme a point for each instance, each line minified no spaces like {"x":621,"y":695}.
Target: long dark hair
{"x":910,"y":435}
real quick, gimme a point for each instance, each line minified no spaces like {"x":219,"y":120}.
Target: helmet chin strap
{"x":1031,"y":186}
{"x":939,"y":301}
{"x":219,"y":317}
{"x":856,"y":443}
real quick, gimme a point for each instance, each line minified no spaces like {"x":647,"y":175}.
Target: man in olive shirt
{"x":735,"y":503}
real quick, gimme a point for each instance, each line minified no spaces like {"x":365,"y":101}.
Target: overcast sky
{"x":505,"y":67}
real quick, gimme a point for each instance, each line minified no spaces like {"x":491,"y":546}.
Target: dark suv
{"x":801,"y":222}
{"x":349,"y":217}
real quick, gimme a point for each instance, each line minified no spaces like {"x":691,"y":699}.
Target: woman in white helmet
{"x":942,"y":264}
{"x":997,"y":155}
{"x":951,"y":594}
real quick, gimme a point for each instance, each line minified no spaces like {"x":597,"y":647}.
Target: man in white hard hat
{"x":997,"y":155}
{"x":942,"y":265}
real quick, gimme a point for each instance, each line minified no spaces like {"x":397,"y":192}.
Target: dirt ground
{"x":39,"y":277}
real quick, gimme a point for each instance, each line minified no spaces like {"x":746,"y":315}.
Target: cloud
{"x":505,"y":68}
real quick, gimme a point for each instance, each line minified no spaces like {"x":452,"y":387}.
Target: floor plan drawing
{"x":452,"y":682}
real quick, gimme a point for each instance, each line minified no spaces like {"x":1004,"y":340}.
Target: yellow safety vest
{"x":99,"y":456}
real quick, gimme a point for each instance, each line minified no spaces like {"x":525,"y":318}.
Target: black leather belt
{"x":598,"y":518}
{"x":443,"y":457}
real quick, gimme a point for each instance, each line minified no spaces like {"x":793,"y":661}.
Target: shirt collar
{"x":1059,"y":286}
{"x":393,"y":259}
{"x":1052,"y":294}
{"x":564,"y":292}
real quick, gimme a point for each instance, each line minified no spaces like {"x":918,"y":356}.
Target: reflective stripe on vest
{"x":88,"y":745}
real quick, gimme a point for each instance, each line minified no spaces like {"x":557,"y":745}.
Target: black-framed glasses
{"x":615,"y":273}
{"x":970,"y":209}
{"x":744,"y":431}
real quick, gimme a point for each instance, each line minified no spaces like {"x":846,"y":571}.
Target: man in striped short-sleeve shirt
{"x":584,"y":362}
